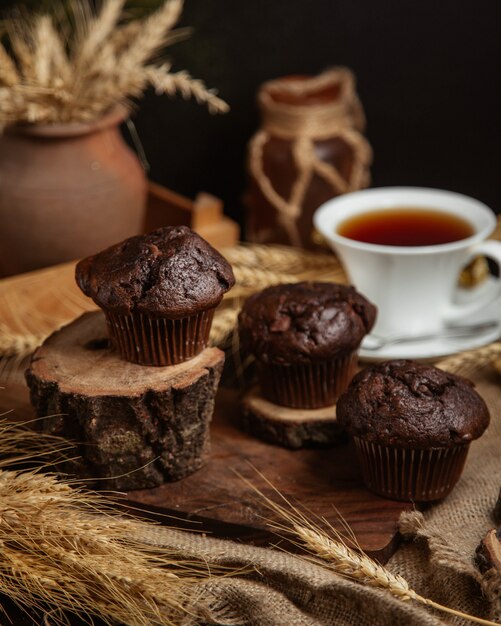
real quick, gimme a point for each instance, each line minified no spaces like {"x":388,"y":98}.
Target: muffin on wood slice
{"x":412,"y":425}
{"x":133,"y":427}
{"x":158,"y":292}
{"x":305,"y":337}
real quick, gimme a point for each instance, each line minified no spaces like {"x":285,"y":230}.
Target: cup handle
{"x":453,"y":312}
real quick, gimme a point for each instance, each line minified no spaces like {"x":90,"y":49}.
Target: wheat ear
{"x":151,"y":37}
{"x":65,"y":549}
{"x":18,"y":344}
{"x":60,"y":64}
{"x":467,"y":362}
{"x":334,"y":553}
{"x":81,"y":64}
{"x":253,"y":278}
{"x":97,"y":30}
{"x":8,"y":72}
{"x":187,"y":86}
{"x":24,"y":56}
{"x":279,"y":258}
{"x":223,"y":324}
{"x":43,"y":37}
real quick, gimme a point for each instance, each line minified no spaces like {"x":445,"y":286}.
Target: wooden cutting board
{"x":215,"y":499}
{"x":324,"y":481}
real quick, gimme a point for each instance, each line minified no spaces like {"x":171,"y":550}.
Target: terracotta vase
{"x":66,"y":191}
{"x":310,"y":148}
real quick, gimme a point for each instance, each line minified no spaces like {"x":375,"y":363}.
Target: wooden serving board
{"x":325,"y":481}
{"x":216,"y":499}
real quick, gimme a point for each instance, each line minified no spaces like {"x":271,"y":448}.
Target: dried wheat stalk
{"x":468,"y":362}
{"x":63,"y":549}
{"x":181,"y":82}
{"x":283,"y":265}
{"x":359,"y":567}
{"x":279,"y":258}
{"x":223,"y":324}
{"x":20,"y":345}
{"x":253,"y":278}
{"x":150,"y":39}
{"x":352,"y":564}
{"x":99,"y":28}
{"x":332,"y":549}
{"x":79,"y":67}
{"x":8,"y":71}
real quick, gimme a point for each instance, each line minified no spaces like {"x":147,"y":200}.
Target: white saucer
{"x":430,"y":349}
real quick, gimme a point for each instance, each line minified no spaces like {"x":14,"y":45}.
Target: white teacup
{"x":414,"y":287}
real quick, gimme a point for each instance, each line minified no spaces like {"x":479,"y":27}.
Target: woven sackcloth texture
{"x":438,"y":562}
{"x":275,"y":588}
{"x":278,"y":589}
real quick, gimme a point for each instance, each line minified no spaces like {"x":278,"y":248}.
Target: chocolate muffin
{"x":158,"y":292}
{"x":305,"y":337}
{"x":412,"y":425}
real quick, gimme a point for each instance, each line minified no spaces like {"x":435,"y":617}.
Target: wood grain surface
{"x":216,"y":499}
{"x":325,"y":481}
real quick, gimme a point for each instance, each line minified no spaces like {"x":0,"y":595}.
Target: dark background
{"x":428,"y":76}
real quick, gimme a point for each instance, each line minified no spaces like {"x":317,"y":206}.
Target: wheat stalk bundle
{"x":65,"y":549}
{"x":79,"y":65}
{"x":223,"y":324}
{"x":17,"y":344}
{"x":279,"y":258}
{"x":257,"y":267}
{"x":467,"y":363}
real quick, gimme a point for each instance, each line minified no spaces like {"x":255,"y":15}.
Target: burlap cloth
{"x":436,"y":559}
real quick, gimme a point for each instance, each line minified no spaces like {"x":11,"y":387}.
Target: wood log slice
{"x":488,"y":554}
{"x":290,"y":428}
{"x":136,"y":427}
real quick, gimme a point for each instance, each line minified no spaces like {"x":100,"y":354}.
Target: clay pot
{"x":66,"y":191}
{"x":310,"y":148}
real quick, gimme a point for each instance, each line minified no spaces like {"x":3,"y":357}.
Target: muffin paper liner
{"x":307,"y":386}
{"x":159,"y":341}
{"x":410,"y":474}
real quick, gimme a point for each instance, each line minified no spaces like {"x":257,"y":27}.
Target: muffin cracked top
{"x":169,"y":272}
{"x":412,"y":405}
{"x":304,"y":322}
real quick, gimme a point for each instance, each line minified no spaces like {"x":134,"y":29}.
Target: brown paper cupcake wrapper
{"x":159,"y":341}
{"x":410,"y":474}
{"x":309,"y":386}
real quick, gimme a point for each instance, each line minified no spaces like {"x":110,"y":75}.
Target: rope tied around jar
{"x":302,"y":125}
